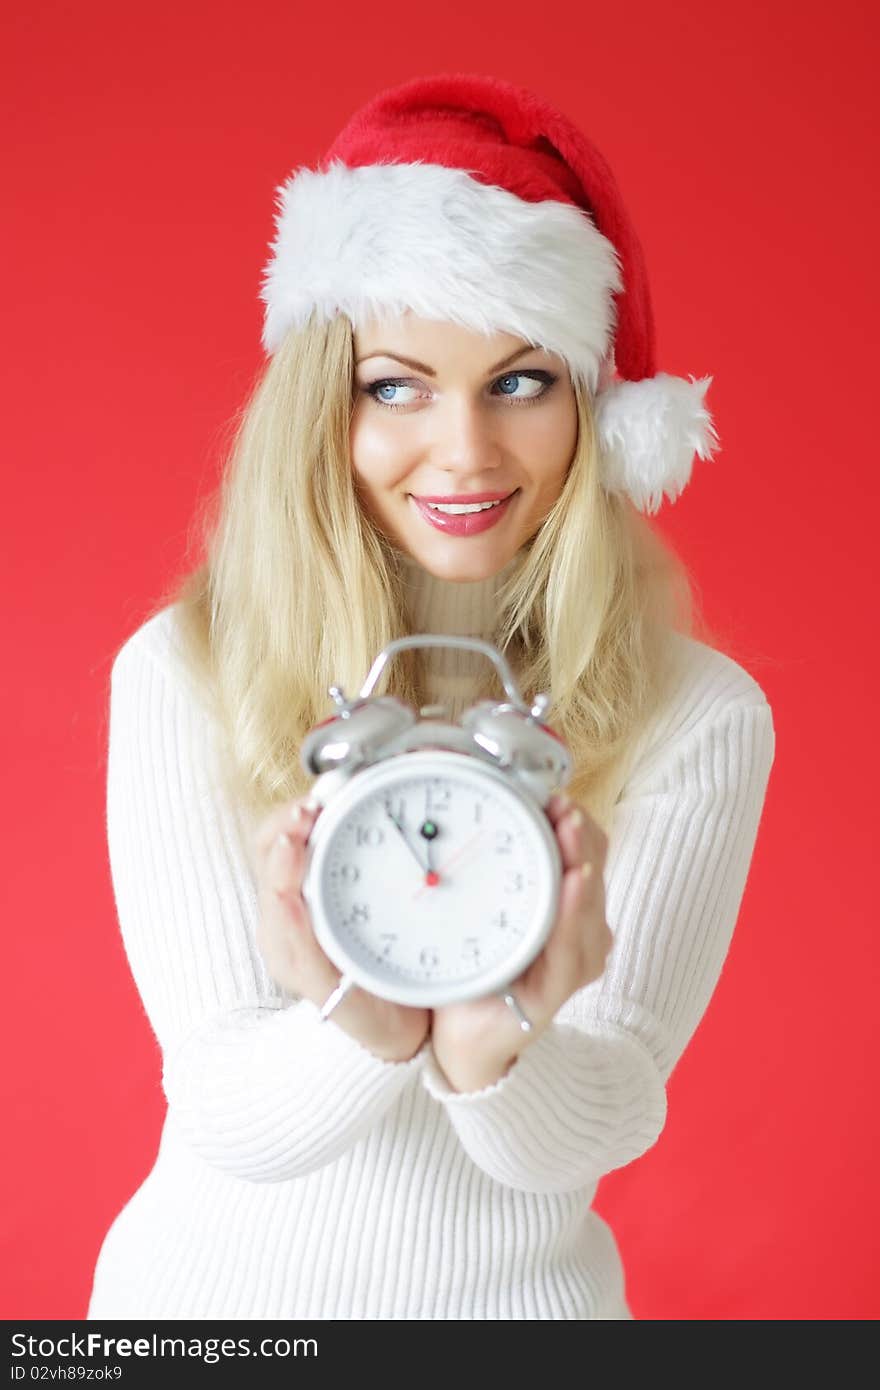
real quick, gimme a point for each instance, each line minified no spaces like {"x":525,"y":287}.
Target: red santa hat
{"x":469,"y":199}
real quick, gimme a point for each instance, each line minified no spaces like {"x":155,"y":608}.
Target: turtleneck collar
{"x":466,"y":608}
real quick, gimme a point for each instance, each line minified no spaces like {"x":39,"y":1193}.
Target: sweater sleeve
{"x":256,"y":1083}
{"x":589,"y":1095}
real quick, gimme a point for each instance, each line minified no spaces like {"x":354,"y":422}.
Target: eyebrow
{"x":429,"y":371}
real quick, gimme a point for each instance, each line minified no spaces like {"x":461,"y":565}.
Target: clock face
{"x":433,"y":880}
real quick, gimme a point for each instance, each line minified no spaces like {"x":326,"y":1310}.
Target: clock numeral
{"x":371,"y":835}
{"x":471,"y":949}
{"x":428,"y":957}
{"x":478,"y":813}
{"x":397,"y":811}
{"x":360,"y":913}
{"x":500,"y":920}
{"x":349,"y":873}
{"x":436,"y":798}
{"x":515,"y":881}
{"x":503,"y":840}
{"x":389,"y":939}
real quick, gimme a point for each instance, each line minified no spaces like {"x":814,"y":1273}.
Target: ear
{"x":649,"y":432}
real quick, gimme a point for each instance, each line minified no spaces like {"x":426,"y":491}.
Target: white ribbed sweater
{"x":299,"y":1176}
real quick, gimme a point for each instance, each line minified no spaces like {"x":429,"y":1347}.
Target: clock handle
{"x":467,"y":644}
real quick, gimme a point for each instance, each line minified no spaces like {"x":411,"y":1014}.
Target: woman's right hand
{"x":294,"y":958}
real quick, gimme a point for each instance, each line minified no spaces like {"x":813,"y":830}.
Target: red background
{"x":144,"y":145}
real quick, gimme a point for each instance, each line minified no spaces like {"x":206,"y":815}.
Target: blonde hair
{"x":298,"y":589}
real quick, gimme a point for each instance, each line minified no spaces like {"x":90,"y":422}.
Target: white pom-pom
{"x":649,"y":432}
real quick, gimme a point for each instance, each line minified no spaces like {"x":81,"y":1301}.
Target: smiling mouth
{"x":462,"y":519}
{"x":462,"y":507}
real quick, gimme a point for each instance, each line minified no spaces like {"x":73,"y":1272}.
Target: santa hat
{"x":469,"y":199}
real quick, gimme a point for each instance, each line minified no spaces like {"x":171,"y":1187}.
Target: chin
{"x":461,"y":569}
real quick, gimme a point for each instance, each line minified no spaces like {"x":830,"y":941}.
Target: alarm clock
{"x":432,"y":874}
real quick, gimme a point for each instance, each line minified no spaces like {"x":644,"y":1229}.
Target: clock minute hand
{"x":399,"y":828}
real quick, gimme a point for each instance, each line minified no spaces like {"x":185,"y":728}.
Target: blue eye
{"x":519,"y":376}
{"x":543,"y":379}
{"x":389,"y":386}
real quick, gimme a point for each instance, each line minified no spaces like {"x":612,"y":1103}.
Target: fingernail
{"x":296,"y":813}
{"x":576,"y":818}
{"x":587,"y":870}
{"x":284,"y":841}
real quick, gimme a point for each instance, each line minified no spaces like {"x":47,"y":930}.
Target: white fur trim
{"x":387,"y":237}
{"x":648,"y":434}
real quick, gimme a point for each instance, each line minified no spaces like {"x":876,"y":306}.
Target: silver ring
{"x":513,"y":1004}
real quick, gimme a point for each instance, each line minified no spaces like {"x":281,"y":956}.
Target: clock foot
{"x":512,"y":1003}
{"x":336,"y":996}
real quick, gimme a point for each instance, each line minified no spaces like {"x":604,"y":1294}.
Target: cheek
{"x":552,"y":441}
{"x":565,"y":428}
{"x":378,"y":453}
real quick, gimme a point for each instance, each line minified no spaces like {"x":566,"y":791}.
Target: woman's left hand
{"x":476,"y":1043}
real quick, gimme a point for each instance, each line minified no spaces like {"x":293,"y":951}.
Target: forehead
{"x":432,"y":340}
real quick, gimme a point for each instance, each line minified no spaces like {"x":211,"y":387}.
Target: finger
{"x":558,"y":806}
{"x":296,"y":817}
{"x":290,"y":949}
{"x":576,"y":840}
{"x":285,"y":929}
{"x":555,"y":974}
{"x":577,"y":893}
{"x":574,"y":897}
{"x":280,"y":818}
{"x":587,"y":889}
{"x":592,"y":932}
{"x":581,"y":939}
{"x":580,"y":837}
{"x":285,"y":864}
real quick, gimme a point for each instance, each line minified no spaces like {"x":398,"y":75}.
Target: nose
{"x":466,"y":440}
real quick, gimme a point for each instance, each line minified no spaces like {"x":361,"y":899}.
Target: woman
{"x":456,"y":309}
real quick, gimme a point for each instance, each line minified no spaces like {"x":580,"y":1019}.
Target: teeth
{"x":457,"y":508}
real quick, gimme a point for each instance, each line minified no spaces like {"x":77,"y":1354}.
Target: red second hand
{"x":432,"y":877}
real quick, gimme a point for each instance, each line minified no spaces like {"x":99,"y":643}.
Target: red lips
{"x":464,"y":523}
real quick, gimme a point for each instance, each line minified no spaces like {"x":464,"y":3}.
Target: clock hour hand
{"x":440,"y":875}
{"x":429,"y":832}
